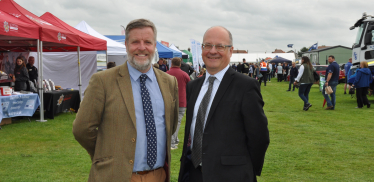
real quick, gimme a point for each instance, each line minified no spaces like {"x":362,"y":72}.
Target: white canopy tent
{"x":172,"y":46}
{"x":116,"y":51}
{"x":256,"y":57}
{"x":61,"y":68}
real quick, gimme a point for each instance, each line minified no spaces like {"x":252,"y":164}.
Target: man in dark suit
{"x":219,"y":146}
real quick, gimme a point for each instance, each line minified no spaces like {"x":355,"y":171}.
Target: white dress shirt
{"x":203,"y":90}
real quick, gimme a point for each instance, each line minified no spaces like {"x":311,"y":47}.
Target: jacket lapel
{"x":192,"y":101}
{"x":226,"y":80}
{"x":124,"y":84}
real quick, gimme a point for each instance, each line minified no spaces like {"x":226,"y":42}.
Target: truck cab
{"x":363,"y":48}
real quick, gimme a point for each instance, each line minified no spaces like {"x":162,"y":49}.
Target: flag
{"x":314,"y":46}
{"x":290,"y":45}
{"x":122,"y":30}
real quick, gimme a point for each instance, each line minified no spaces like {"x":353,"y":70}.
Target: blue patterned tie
{"x":149,"y":123}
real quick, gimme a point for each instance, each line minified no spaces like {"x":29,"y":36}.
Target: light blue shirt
{"x":140,"y":161}
{"x":203,"y":90}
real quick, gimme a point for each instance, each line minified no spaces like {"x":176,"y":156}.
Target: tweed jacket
{"x":105,"y":124}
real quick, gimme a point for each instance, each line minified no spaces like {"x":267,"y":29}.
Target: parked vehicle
{"x":363,"y":48}
{"x":321,"y":70}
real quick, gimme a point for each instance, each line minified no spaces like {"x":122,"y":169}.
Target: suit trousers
{"x":174,"y":138}
{"x":279,"y":77}
{"x":362,"y":99}
{"x":157,"y":175}
{"x":196,"y":175}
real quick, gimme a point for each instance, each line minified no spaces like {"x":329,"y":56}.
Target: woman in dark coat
{"x":21,"y":76}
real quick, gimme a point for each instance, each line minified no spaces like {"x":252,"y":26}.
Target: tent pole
{"x":106,"y":55}
{"x":41,"y":88}
{"x":80,"y":73}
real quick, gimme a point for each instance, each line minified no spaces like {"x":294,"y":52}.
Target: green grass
{"x":316,"y":145}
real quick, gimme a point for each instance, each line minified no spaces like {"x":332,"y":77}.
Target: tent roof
{"x":51,"y":35}
{"x":280,"y":60}
{"x":172,"y":46}
{"x":118,"y":38}
{"x":175,"y":53}
{"x":16,"y":35}
{"x":86,"y":42}
{"x":113,"y":47}
{"x":16,"y":29}
{"x":163,"y":51}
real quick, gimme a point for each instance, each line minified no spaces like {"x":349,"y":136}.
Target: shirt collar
{"x":219,"y":75}
{"x":135,"y":74}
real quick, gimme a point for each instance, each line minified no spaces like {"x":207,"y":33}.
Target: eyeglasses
{"x":219,"y":47}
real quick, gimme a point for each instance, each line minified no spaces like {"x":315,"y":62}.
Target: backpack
{"x":316,"y":76}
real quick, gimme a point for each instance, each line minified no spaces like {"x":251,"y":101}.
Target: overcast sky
{"x":256,"y":26}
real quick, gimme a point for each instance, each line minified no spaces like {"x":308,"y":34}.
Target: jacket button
{"x":133,"y":139}
{"x":131,"y":162}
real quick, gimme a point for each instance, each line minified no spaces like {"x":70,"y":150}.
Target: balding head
{"x":220,"y":27}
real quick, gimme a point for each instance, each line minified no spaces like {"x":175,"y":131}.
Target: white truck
{"x":363,"y":48}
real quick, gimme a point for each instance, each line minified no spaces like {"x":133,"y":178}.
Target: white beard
{"x":136,"y":65}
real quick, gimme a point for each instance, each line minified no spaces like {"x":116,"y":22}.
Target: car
{"x":321,"y":70}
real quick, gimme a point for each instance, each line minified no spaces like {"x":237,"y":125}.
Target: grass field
{"x":314,"y":145}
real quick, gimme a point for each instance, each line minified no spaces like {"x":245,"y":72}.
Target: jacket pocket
{"x":233,"y":160}
{"x":102,"y":169}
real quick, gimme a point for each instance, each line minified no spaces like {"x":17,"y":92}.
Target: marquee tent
{"x":16,"y":35}
{"x":189,"y":59}
{"x":51,"y":39}
{"x":184,"y":55}
{"x":280,"y":60}
{"x":54,"y":38}
{"x":163,"y":51}
{"x":116,"y":51}
{"x":86,"y":41}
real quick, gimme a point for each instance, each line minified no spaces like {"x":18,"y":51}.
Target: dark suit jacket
{"x":235,"y":136}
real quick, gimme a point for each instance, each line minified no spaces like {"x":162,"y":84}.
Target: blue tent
{"x":277,"y":60}
{"x":165,"y":52}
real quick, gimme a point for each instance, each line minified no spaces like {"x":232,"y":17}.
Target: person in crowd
{"x":161,"y":65}
{"x":371,"y":88}
{"x":274,"y":69}
{"x":233,"y":66}
{"x":21,"y":75}
{"x":332,"y":78}
{"x":250,"y":73}
{"x":285,"y":71}
{"x":186,"y":68}
{"x":128,"y":114}
{"x":293,"y":75}
{"x":268,"y":73}
{"x":245,"y":66}
{"x":306,"y":79}
{"x":256,"y":72}
{"x":239,"y":68}
{"x":183,"y":78}
{"x":166,"y":64}
{"x":222,"y":151}
{"x":263,"y":71}
{"x":279,"y":72}
{"x":33,"y":72}
{"x":347,"y":67}
{"x":362,"y":83}
{"x":202,"y":73}
{"x":111,"y":65}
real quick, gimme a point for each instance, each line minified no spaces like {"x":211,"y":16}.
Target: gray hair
{"x":140,"y":23}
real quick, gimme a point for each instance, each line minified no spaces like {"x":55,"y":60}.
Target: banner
{"x":199,"y":52}
{"x":165,"y":43}
{"x":194,"y":55}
